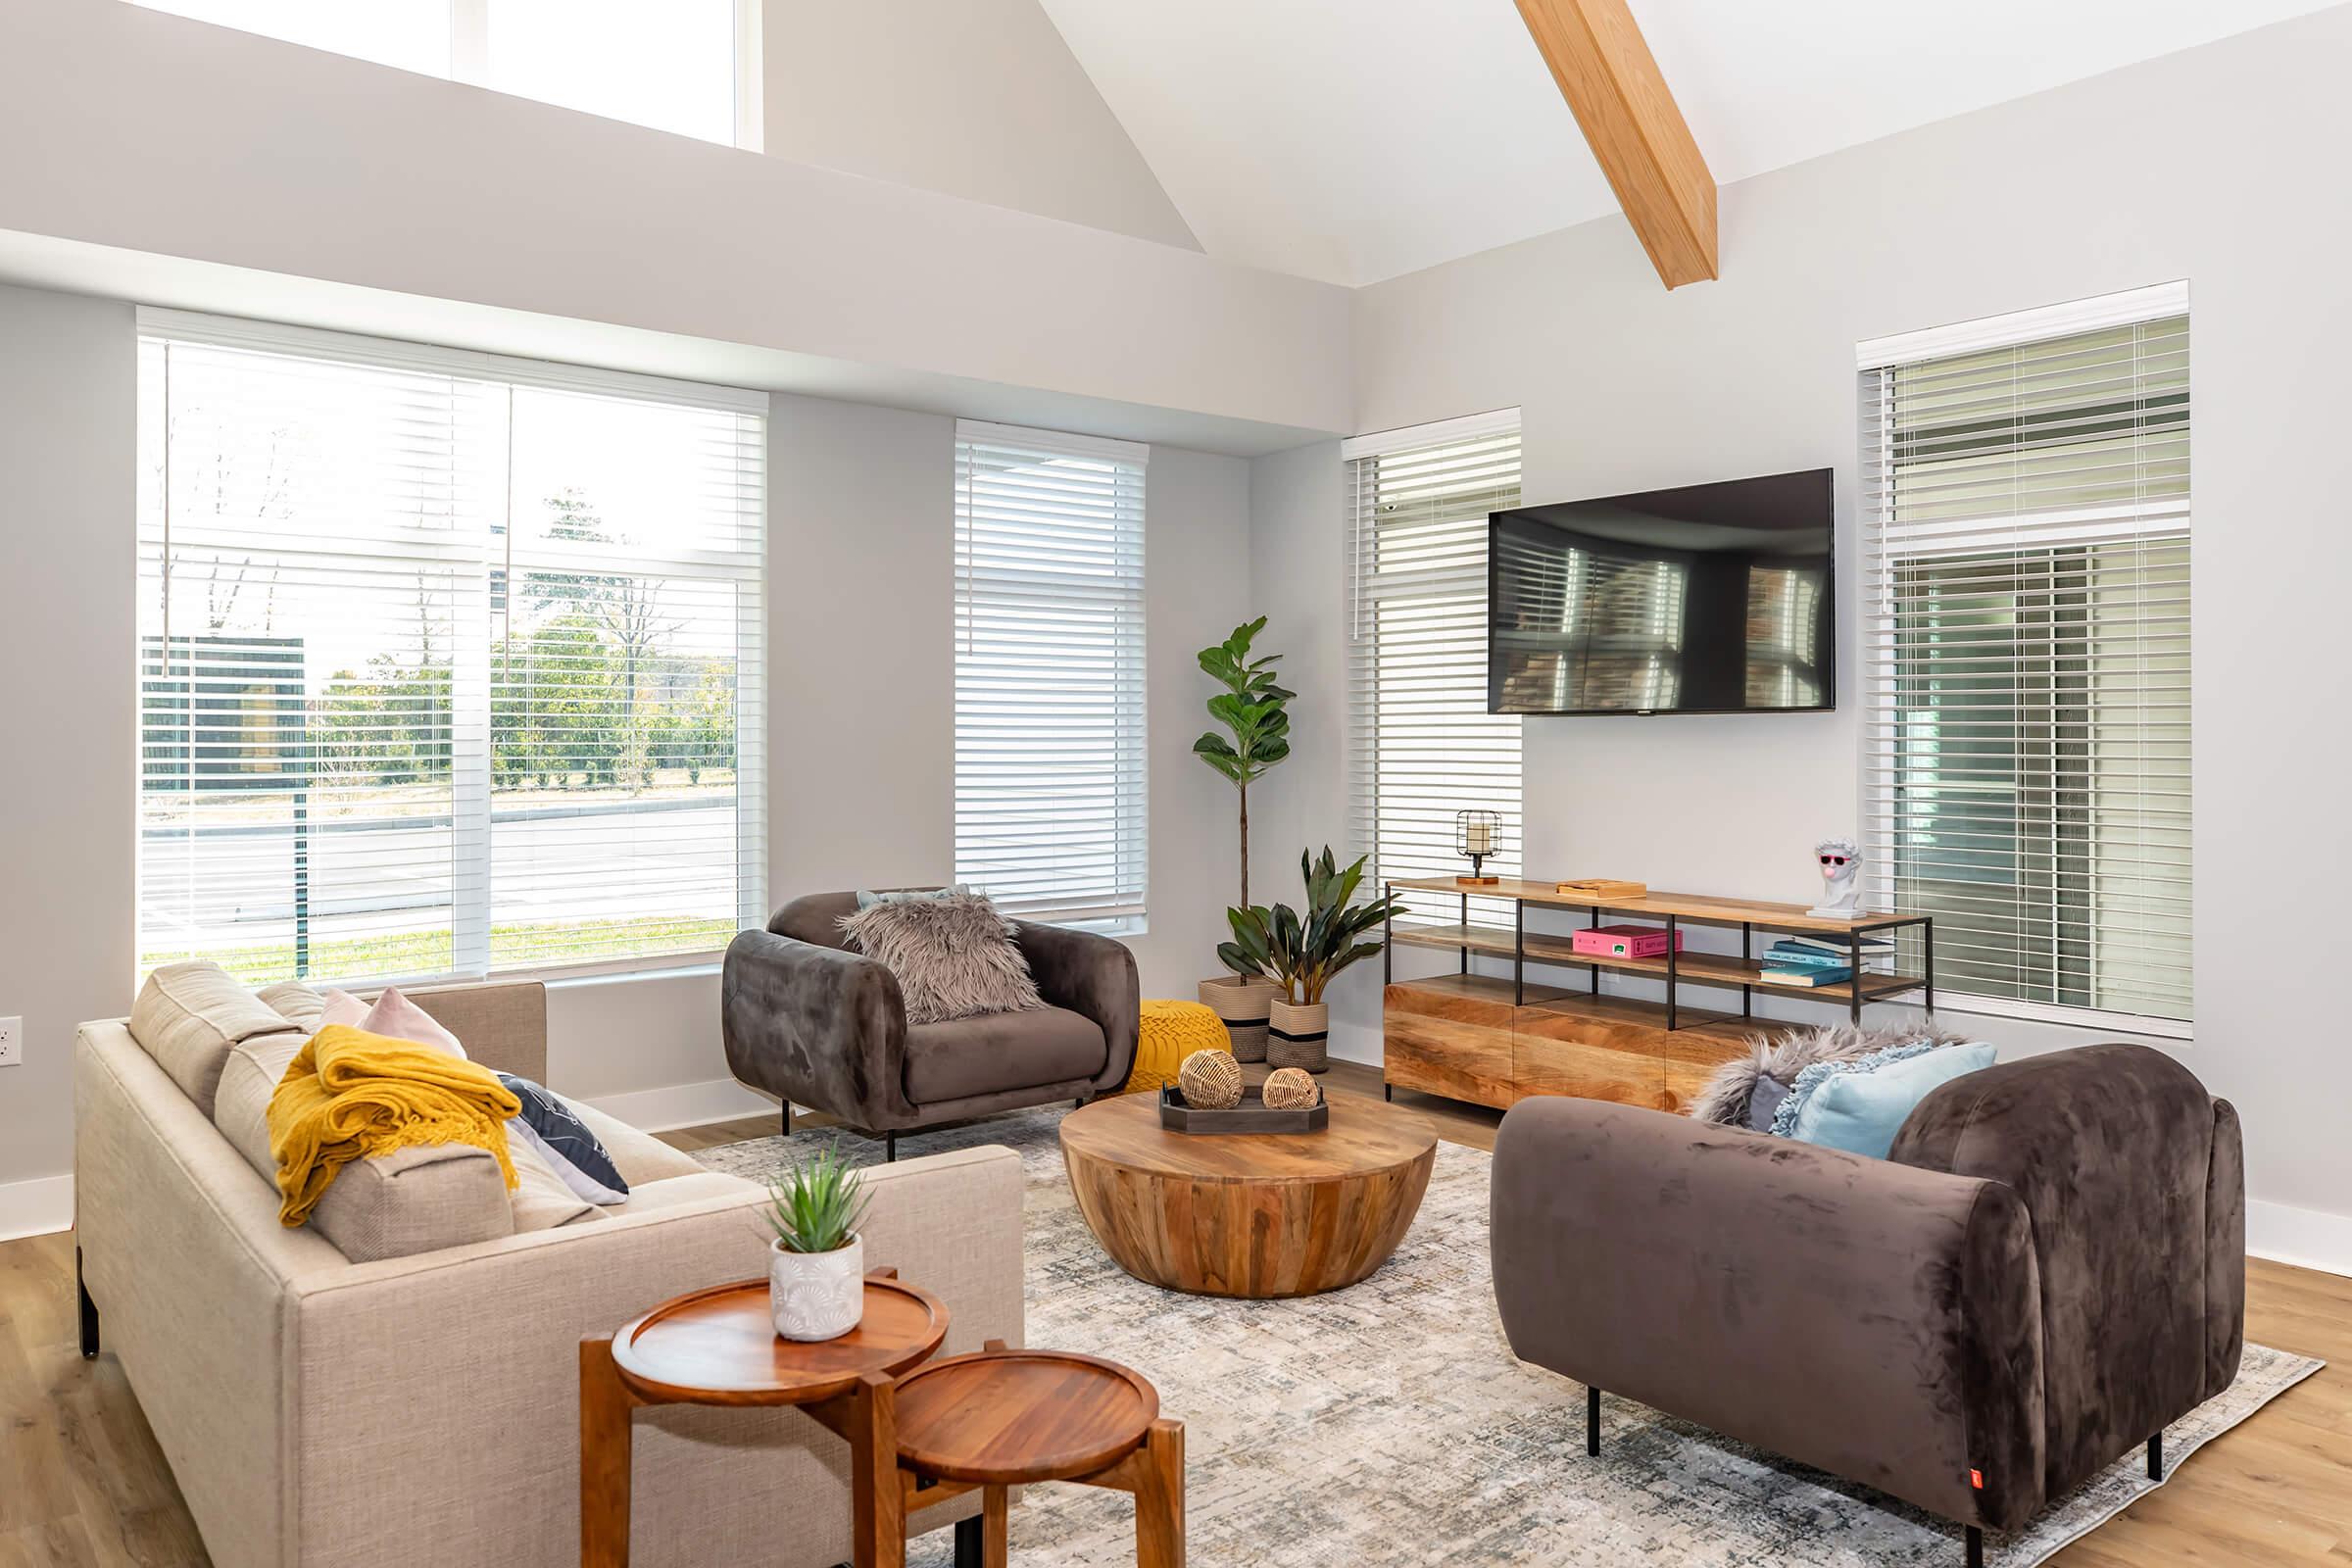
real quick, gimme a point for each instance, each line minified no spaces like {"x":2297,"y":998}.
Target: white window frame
{"x":1122,"y":909}
{"x":470,"y":912}
{"x":1365,"y":769}
{"x":2126,"y":523}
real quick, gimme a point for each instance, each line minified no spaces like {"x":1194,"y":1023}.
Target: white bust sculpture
{"x":1840,"y":880}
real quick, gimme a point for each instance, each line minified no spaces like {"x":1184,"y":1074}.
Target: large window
{"x":2027,"y":492}
{"x":1049,"y":798}
{"x":448,"y":664}
{"x":688,"y":66}
{"x":1421,"y":743}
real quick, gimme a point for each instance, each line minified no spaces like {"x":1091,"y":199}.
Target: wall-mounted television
{"x":1703,"y":599}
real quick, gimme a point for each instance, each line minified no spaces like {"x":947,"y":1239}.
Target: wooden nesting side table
{"x":1008,"y":1418}
{"x":720,"y":1347}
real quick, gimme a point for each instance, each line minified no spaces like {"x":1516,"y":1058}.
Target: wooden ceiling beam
{"x":1611,"y":81}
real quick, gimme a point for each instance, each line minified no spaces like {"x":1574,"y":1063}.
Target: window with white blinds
{"x":1049,"y":797}
{"x":1422,"y":745}
{"x":2026,"y":734}
{"x":448,"y":664}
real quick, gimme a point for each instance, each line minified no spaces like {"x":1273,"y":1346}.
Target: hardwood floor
{"x":83,"y":1483}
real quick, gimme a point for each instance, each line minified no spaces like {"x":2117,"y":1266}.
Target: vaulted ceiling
{"x":1356,"y":142}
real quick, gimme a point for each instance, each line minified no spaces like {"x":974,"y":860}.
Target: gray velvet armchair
{"x":2048,"y":1270}
{"x":825,"y":1028}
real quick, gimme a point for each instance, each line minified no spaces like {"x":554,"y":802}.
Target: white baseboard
{"x":2307,"y":1237}
{"x":659,"y":1110}
{"x":35,"y":1207}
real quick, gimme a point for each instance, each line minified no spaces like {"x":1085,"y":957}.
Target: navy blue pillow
{"x":575,"y":1153}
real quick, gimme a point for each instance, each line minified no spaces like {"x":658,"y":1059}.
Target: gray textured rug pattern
{"x":1389,"y":1424}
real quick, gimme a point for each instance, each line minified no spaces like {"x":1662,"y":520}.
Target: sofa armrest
{"x":437,"y":1396}
{"x":1095,"y":977}
{"x":1874,"y":1320}
{"x":820,"y":1026}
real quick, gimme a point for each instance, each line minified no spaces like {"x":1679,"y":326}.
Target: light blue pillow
{"x":1861,"y":1108}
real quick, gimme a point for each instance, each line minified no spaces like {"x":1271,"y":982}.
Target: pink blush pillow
{"x":395,"y":1017}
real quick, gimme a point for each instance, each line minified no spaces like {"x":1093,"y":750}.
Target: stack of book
{"x":1811,"y":960}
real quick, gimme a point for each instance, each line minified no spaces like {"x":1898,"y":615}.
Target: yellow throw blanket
{"x":348,"y":1095}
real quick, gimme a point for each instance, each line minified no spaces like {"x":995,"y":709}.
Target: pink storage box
{"x":1625,"y":942}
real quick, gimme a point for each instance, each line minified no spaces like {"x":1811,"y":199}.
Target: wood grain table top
{"x":1011,"y":1417}
{"x":1363,"y":1137}
{"x":720,"y":1347}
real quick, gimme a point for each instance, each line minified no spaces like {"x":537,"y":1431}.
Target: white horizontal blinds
{"x":624,"y":665}
{"x":1049,"y":721}
{"x":2027,"y":739}
{"x":387,"y":729}
{"x":1422,"y":744}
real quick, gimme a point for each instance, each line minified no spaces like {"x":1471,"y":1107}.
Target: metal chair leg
{"x":1592,"y":1421}
{"x":968,"y":1542}
{"x":2156,"y":1457}
{"x":788,"y":1118}
{"x":90,"y":1311}
{"x":1976,"y":1547}
{"x":890,"y":1147}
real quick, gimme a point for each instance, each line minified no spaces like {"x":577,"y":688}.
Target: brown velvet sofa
{"x":825,"y":1028}
{"x":2048,"y":1268}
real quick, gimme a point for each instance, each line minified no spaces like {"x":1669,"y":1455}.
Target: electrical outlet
{"x":11,"y":1042}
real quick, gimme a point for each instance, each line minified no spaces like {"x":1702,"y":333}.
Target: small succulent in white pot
{"x":816,"y":1263}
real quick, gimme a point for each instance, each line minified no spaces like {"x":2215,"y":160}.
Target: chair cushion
{"x":1861,"y":1111}
{"x":1001,"y":1051}
{"x":189,"y":1017}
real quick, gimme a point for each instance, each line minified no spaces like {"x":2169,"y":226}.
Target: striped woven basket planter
{"x":1244,"y":1005}
{"x":1299,"y":1035}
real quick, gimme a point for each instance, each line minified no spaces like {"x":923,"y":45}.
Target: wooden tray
{"x":1252,"y":1115}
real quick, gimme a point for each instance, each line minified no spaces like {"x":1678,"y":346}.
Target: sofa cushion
{"x":410,"y":1200}
{"x":641,"y":1157}
{"x":558,"y":1135}
{"x":298,"y":1004}
{"x":1001,"y":1051}
{"x":541,"y":1199}
{"x":392,"y":1015}
{"x":189,"y":1017}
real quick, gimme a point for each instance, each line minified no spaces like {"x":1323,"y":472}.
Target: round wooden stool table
{"x":1009,"y":1418}
{"x":720,"y":1347}
{"x":1249,"y":1214}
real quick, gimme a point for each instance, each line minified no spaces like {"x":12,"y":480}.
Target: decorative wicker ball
{"x":1211,"y":1080}
{"x":1290,"y":1088}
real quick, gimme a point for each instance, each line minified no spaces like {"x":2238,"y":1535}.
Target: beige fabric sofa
{"x":425,"y":1408}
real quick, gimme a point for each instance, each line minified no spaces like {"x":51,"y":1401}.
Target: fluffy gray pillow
{"x":954,"y":956}
{"x":1728,"y":1097}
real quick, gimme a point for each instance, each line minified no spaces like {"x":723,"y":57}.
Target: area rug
{"x":1389,"y":1424}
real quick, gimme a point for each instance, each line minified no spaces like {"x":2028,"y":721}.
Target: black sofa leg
{"x":970,"y":1544}
{"x":2156,"y":1457}
{"x":1591,"y":1420}
{"x":890,"y":1147}
{"x":1976,"y":1547}
{"x":90,"y":1311}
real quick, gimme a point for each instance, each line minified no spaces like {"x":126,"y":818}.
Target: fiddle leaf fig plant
{"x":1299,"y":954}
{"x":1251,"y":707}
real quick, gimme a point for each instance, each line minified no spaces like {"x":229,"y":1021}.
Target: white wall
{"x":975,"y":98}
{"x":69,"y":571}
{"x":859,"y":733}
{"x":2205,"y":166}
{"x":146,"y":133}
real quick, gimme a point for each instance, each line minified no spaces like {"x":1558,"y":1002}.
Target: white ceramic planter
{"x":816,"y":1295}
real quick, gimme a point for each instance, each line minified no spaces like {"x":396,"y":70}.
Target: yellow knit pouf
{"x":1172,"y":1032}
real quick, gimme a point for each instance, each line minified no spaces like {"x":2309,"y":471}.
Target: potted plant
{"x":1251,"y":707}
{"x":1303,"y":954}
{"x":816,"y":1263}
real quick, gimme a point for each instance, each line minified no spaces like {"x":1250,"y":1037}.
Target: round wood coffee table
{"x":1248,"y":1215}
{"x":1008,"y":1418}
{"x":720,"y":1347}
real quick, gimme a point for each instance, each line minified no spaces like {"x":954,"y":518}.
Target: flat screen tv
{"x":1704,"y":598}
